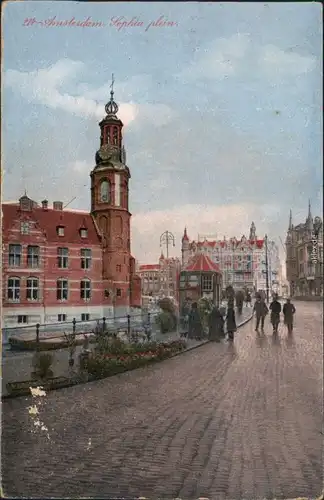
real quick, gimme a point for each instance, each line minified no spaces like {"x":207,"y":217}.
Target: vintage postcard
{"x":162,"y":250}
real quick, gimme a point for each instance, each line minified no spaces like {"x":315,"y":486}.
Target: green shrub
{"x":166,"y":321}
{"x":167,"y":305}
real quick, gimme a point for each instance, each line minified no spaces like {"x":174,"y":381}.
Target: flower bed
{"x":105,"y":364}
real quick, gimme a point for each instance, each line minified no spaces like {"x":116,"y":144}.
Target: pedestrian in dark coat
{"x":230,"y":323}
{"x":275,"y":308}
{"x":261,"y":310}
{"x":216,"y":324}
{"x":195,"y":325}
{"x":288,"y":312}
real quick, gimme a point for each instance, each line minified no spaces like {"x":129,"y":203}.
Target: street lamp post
{"x":166,"y":239}
{"x":267,"y":266}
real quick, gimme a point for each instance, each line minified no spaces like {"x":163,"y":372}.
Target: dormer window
{"x":60,"y":230}
{"x":84,"y":233}
{"x":24,"y":227}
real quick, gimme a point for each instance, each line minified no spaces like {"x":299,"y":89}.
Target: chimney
{"x":57,"y":205}
{"x":45,"y":205}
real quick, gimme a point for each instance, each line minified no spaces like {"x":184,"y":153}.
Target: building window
{"x":83,"y":233}
{"x":22,"y":319}
{"x":207,"y":283}
{"x":61,"y":317}
{"x":62,"y":258}
{"x":32,"y":256}
{"x":62,"y":289}
{"x":118,"y":268}
{"x":85,"y":258}
{"x":14,"y":289}
{"x":85,"y":289}
{"x":60,"y":230}
{"x":105,"y":191}
{"x":32,"y":289}
{"x":115,"y":136}
{"x":14,"y":255}
{"x":85,"y":317}
{"x":24,"y":227}
{"x":119,"y":292}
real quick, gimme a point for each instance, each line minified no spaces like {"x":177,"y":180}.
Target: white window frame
{"x":105,"y":193}
{"x":15,"y":254}
{"x":32,"y":288}
{"x":24,"y":227}
{"x":22,"y":316}
{"x":62,"y":289}
{"x":61,"y":318}
{"x":207,"y":283}
{"x":60,"y":230}
{"x":84,"y":233}
{"x":85,"y":317}
{"x":85,"y":289}
{"x":33,"y":256}
{"x":86,"y":258}
{"x":15,"y":289}
{"x":62,"y":258}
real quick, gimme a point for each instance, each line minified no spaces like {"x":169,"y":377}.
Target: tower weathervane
{"x":111,"y":107}
{"x":112,"y":85}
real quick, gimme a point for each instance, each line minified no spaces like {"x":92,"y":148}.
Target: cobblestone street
{"x":220,"y":421}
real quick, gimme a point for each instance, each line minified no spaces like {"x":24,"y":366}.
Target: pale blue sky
{"x":216,"y":109}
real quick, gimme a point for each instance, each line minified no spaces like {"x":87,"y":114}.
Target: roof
{"x":202,"y":263}
{"x":224,"y":243}
{"x":149,"y":267}
{"x":48,"y":220}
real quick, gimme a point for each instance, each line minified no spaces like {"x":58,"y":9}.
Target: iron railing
{"x":129,"y":324}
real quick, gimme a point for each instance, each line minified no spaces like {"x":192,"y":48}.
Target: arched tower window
{"x":105,"y":191}
{"x":115,"y":136}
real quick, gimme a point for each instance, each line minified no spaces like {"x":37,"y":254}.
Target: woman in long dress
{"x":195,"y":325}
{"x":216,"y":324}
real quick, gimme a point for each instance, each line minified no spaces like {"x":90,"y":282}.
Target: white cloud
{"x":218,"y":61}
{"x":224,"y":220}
{"x":44,"y":87}
{"x":277,"y":62}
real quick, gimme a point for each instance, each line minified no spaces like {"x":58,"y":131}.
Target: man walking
{"x":275,"y":308}
{"x":260,"y":309}
{"x":288,"y":312}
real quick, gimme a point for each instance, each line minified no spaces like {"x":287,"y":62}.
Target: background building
{"x":305,"y":277}
{"x":59,"y":264}
{"x":161,"y":279}
{"x":242,"y":262}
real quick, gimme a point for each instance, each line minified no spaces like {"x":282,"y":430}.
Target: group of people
{"x":261,"y":310}
{"x":219,"y":317}
{"x":216,"y":324}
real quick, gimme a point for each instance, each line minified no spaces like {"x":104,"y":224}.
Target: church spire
{"x":290,"y":221}
{"x":111,"y":107}
{"x":309,"y":220}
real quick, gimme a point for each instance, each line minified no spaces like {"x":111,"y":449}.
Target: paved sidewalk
{"x":222,"y":422}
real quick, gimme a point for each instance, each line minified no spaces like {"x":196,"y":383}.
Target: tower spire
{"x":309,"y":209}
{"x":111,"y":106}
{"x":290,"y":221}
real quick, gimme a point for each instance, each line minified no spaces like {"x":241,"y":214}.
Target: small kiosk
{"x":201,"y":278}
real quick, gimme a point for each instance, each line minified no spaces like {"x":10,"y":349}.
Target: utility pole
{"x":267,"y":266}
{"x":165,"y":239}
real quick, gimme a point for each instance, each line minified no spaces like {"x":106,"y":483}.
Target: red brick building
{"x":59,"y":264}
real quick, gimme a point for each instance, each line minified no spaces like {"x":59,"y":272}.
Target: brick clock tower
{"x":109,"y":207}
